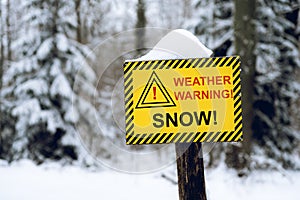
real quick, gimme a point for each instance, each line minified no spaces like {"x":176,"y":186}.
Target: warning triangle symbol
{"x":155,"y":94}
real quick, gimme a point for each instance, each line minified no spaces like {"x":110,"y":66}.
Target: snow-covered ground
{"x":28,"y":182}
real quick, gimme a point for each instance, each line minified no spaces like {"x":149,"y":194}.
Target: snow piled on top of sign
{"x":177,"y":44}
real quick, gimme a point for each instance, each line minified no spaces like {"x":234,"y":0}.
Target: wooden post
{"x":190,"y":170}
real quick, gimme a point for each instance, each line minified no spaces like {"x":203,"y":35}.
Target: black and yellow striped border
{"x":183,"y":137}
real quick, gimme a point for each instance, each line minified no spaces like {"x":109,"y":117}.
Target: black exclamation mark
{"x":215,"y":117}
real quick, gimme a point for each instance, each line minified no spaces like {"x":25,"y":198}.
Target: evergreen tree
{"x":39,"y":85}
{"x":212,"y":22}
{"x":277,"y":60}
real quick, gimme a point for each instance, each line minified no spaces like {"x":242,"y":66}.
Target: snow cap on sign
{"x":177,"y":44}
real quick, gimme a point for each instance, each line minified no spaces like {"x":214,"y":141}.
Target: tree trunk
{"x":1,"y":75}
{"x":140,"y":24}
{"x":8,"y":31}
{"x":298,"y":29}
{"x":245,"y":41}
{"x":78,"y":30}
{"x":190,"y":169}
{"x":1,"y":47}
{"x":53,"y":27}
{"x":187,"y":9}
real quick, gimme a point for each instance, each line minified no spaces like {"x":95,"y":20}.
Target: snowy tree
{"x":212,"y":22}
{"x":170,"y":14}
{"x":101,"y":19}
{"x":277,"y":59}
{"x":39,"y":85}
{"x":48,"y":84}
{"x":89,"y":17}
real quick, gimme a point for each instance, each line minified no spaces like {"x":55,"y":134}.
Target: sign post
{"x":191,"y":182}
{"x":186,"y":102}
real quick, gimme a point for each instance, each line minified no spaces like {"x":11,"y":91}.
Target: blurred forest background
{"x":49,"y":74}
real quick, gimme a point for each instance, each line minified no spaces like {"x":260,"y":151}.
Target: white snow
{"x":71,"y":115}
{"x":55,"y":68}
{"x":51,"y":118}
{"x":23,"y":66}
{"x":29,"y":113}
{"x":261,"y":185}
{"x":44,"y":49}
{"x":36,"y":86}
{"x":61,"y":87}
{"x":26,"y":181}
{"x":29,"y":182}
{"x":26,"y":108}
{"x":62,"y":42}
{"x":178,"y":43}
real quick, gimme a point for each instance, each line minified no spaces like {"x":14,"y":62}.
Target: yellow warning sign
{"x":184,"y":100}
